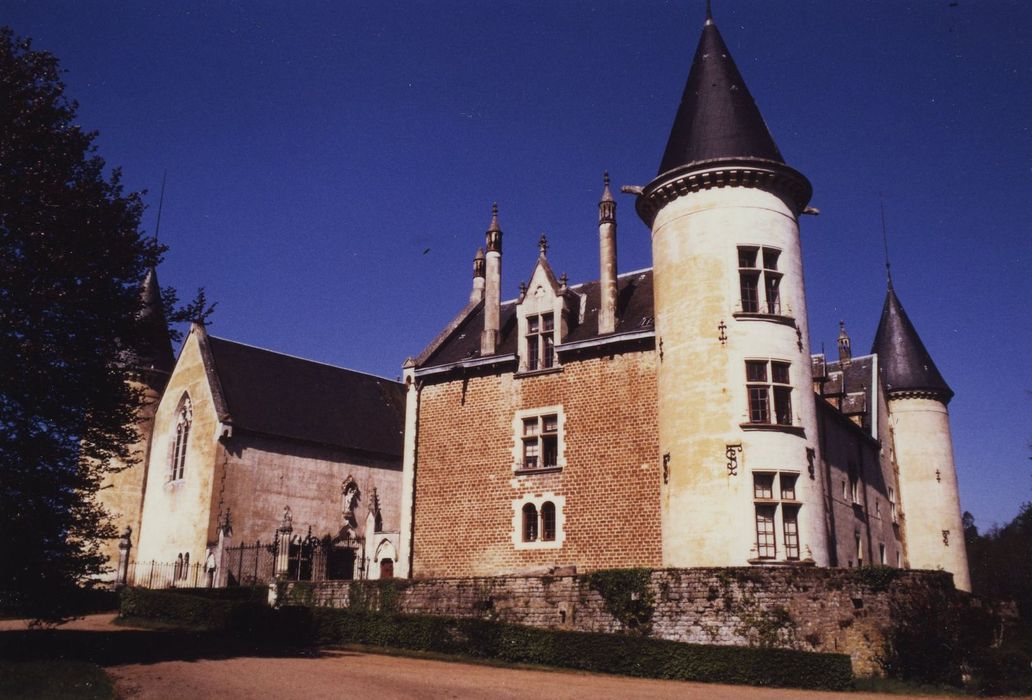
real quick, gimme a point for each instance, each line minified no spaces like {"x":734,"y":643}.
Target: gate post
{"x":125,"y":545}
{"x":283,"y":544}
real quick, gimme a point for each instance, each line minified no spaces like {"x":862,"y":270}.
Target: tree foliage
{"x":1001,"y":560}
{"x":72,"y":259}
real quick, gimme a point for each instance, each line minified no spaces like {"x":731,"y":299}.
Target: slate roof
{"x":155,"y":351}
{"x":853,"y":382}
{"x":280,"y":395}
{"x":904,"y":363}
{"x":633,"y":308}
{"x":717,"y":117}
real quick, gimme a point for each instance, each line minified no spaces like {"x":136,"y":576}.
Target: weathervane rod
{"x":885,"y":241}
{"x":161,"y":202}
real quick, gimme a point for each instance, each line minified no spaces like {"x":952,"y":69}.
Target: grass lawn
{"x":54,"y":679}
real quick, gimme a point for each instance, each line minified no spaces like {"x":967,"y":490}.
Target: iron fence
{"x":157,"y":574}
{"x":249,"y":564}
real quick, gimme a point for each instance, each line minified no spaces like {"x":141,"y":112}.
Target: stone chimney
{"x":478,"y":277}
{"x":607,"y":254}
{"x":492,"y":286}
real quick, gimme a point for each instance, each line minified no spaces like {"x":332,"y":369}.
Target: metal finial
{"x":563,"y":279}
{"x":605,"y":178}
{"x":709,"y":13}
{"x":543,"y":244}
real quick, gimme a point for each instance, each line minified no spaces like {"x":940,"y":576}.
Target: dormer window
{"x":540,"y":342}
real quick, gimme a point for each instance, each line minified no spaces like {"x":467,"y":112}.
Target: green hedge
{"x":604,"y":653}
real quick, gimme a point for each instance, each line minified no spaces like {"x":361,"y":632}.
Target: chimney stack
{"x":607,"y":254}
{"x":478,"y":277}
{"x":492,"y":286}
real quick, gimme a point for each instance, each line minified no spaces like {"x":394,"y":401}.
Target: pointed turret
{"x":717,"y":118}
{"x":493,"y":284}
{"x":607,"y":259}
{"x":153,"y":356}
{"x":845,"y":352}
{"x":905,"y":364}
{"x":479,"y":275}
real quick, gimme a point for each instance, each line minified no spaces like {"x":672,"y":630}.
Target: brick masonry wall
{"x":813,"y":609}
{"x":465,"y":483}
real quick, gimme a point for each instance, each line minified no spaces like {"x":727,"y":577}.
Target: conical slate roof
{"x":717,"y":118}
{"x":904,"y":363}
{"x":155,"y":350}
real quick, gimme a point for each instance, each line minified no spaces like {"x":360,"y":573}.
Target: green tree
{"x":72,"y":259}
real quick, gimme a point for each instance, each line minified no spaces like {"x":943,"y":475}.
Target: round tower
{"x":919,"y":421}
{"x":737,"y":424}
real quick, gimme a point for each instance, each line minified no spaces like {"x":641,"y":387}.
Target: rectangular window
{"x":788,"y":483}
{"x":854,"y":484}
{"x":540,"y":342}
{"x":766,"y":547}
{"x":760,"y":391}
{"x":791,"y":525}
{"x":859,"y":550}
{"x":758,"y":269}
{"x":881,"y":554}
{"x":541,"y":442}
{"x":763,"y":486}
{"x":892,"y":505}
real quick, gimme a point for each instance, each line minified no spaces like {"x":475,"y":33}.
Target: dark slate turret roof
{"x":280,"y":395}
{"x":904,"y":363}
{"x":154,"y":352}
{"x":717,"y":118}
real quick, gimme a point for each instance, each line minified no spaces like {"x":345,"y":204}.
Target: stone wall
{"x":812,"y":609}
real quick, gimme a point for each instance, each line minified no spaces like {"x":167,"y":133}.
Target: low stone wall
{"x":814,"y":609}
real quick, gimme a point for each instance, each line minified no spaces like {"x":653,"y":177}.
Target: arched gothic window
{"x":184,"y":417}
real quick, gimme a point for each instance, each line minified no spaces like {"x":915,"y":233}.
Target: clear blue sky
{"x":332,"y":165}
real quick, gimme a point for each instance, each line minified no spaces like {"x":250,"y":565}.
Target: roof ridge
{"x":303,"y":359}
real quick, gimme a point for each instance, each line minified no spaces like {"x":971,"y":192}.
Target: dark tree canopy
{"x":72,"y":259}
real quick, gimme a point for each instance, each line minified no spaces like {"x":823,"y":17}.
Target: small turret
{"x":478,"y":276}
{"x":607,"y":259}
{"x":845,"y":354}
{"x":493,"y":284}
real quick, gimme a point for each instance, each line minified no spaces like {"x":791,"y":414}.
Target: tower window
{"x":540,"y":342}
{"x":763,"y":486}
{"x":759,"y":280}
{"x":180,"y":441}
{"x":790,"y":518}
{"x":766,"y":546}
{"x":892,"y":505}
{"x":770,"y":401}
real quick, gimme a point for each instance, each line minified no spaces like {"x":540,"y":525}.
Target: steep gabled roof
{"x":634,"y":312}
{"x":284,"y":396}
{"x":904,"y":363}
{"x":717,"y":117}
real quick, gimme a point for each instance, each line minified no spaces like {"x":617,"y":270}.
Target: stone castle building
{"x":235,"y":438}
{"x":675,"y":416}
{"x":667,"y":417}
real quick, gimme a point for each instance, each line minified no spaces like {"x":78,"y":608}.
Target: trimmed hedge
{"x":627,"y":655}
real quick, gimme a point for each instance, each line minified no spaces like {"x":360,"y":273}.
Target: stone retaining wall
{"x":814,"y":609}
